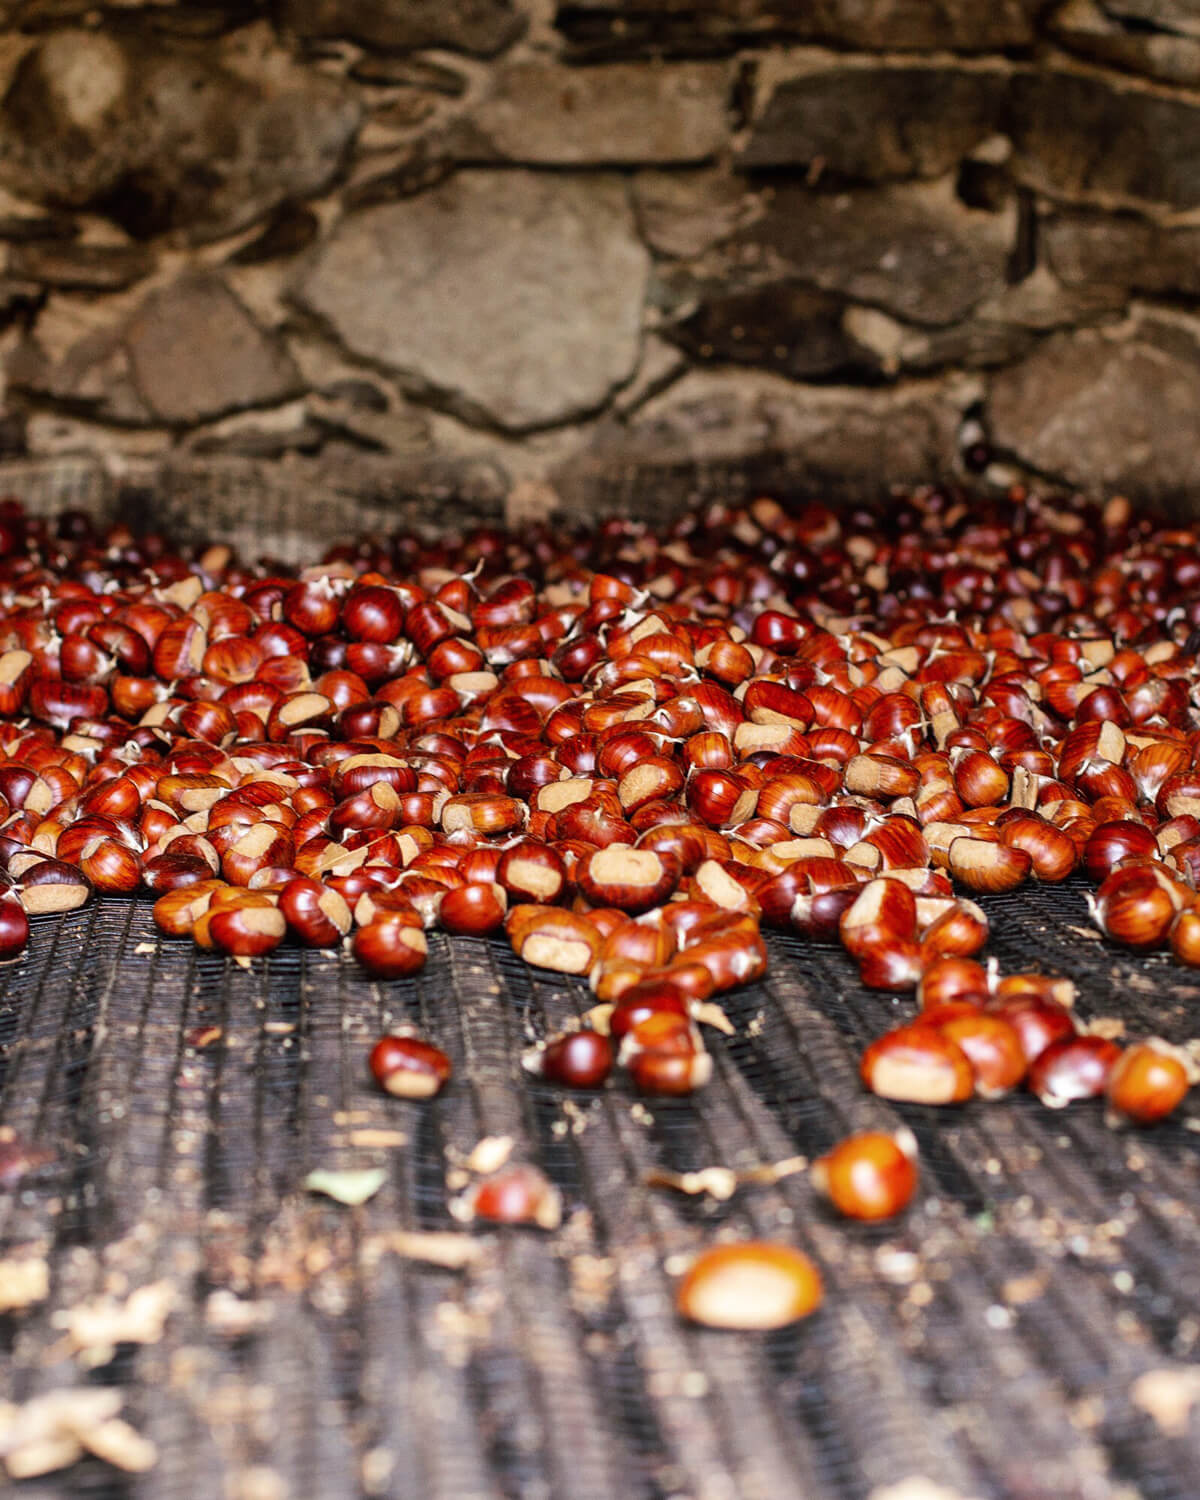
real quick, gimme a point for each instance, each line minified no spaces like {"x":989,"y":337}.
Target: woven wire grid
{"x":991,"y":1339}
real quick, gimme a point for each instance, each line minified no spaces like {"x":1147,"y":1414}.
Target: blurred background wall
{"x":587,"y":251}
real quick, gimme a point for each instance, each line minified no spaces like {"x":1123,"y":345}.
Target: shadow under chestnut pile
{"x":629,"y":749}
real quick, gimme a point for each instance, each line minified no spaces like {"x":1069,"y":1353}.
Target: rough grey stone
{"x":611,"y":28}
{"x":870,"y":120}
{"x":161,"y":137}
{"x":623,"y":113}
{"x":1000,"y":329}
{"x":483,"y":27}
{"x":731,"y":433}
{"x":88,"y":268}
{"x":1093,"y":139}
{"x":915,"y":251}
{"x":195,"y":351}
{"x":1086,"y":27}
{"x":516,"y":296}
{"x":189,"y":353}
{"x":1119,"y":250}
{"x":1116,"y":409}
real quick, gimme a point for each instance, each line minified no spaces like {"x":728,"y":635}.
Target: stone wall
{"x":603,"y":251}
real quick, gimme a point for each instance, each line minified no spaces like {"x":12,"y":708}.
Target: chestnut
{"x":407,"y":1067}
{"x":627,"y":877}
{"x":871,"y":1175}
{"x":474,"y":910}
{"x":516,"y":1194}
{"x":318,"y":915}
{"x":391,"y":946}
{"x":1077,"y":1067}
{"x":1148,"y":1082}
{"x":917,"y":1065}
{"x":753,"y":1285}
{"x":577,"y":1060}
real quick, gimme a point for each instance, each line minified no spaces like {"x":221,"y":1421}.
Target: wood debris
{"x":490,"y":1154}
{"x":445,"y":1248}
{"x":94,"y":1328}
{"x":915,"y":1488}
{"x":1167,"y":1396}
{"x":24,"y":1280}
{"x":708,"y":1013}
{"x":55,"y":1430}
{"x":722,"y":1182}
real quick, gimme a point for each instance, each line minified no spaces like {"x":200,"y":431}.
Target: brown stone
{"x":1088,"y":28}
{"x":1119,"y":250}
{"x":914,"y":250}
{"x":514,"y":297}
{"x":1115,"y":409}
{"x":165,"y":137}
{"x":622,"y":28}
{"x":869,"y":120}
{"x":1096,"y":139}
{"x":189,"y":353}
{"x":483,"y":27}
{"x":620,"y":114}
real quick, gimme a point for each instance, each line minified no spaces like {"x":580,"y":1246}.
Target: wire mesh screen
{"x":1027,"y":1331}
{"x":998,"y":1338}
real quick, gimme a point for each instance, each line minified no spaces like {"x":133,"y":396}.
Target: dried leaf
{"x":351,"y":1188}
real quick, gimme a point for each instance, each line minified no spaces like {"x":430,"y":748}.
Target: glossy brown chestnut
{"x":871,"y":1175}
{"x":407,"y":1067}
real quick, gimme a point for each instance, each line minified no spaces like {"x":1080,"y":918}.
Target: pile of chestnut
{"x":628,"y":749}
